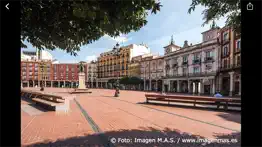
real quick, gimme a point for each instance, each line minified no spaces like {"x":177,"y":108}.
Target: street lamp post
{"x":116,"y":52}
{"x":42,"y":66}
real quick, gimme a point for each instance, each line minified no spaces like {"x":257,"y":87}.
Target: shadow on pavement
{"x":230,"y":117}
{"x":32,"y":104}
{"x":188,"y":107}
{"x":142,"y":137}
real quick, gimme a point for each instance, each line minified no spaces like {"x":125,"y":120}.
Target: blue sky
{"x":173,"y":19}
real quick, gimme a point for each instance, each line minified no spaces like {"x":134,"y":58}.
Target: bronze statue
{"x":81,"y":67}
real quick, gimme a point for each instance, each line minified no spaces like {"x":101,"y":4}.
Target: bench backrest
{"x":52,"y":96}
{"x":185,"y":97}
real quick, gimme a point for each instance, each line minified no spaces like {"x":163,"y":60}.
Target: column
{"x":51,"y":83}
{"x":213,"y":87}
{"x":169,"y":86}
{"x":156,"y":85}
{"x":194,"y":87}
{"x":96,"y":84}
{"x":231,"y":83}
{"x":33,"y":83}
{"x":106,"y":84}
{"x":38,"y":85}
{"x":59,"y":84}
{"x":27,"y":83}
{"x":199,"y":87}
{"x":239,"y":93}
{"x":188,"y":86}
{"x":220,"y":82}
{"x":144,"y":85}
{"x":150,"y":84}
{"x":163,"y":85}
{"x":178,"y":85}
{"x":71,"y":84}
{"x":64,"y":84}
{"x":45,"y":83}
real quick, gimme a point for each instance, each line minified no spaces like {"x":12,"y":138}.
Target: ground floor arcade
{"x":196,"y":85}
{"x":230,"y":83}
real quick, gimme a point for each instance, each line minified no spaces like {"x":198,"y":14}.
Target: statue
{"x":81,"y":67}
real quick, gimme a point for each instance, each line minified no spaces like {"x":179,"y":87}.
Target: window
{"x":209,"y":54}
{"x":196,"y":70}
{"x":225,"y":51}
{"x":225,"y":36}
{"x":238,"y":44}
{"x":185,"y":58}
{"x":238,"y":60}
{"x":196,"y":56}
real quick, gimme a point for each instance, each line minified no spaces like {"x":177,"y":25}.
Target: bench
{"x":204,"y":100}
{"x":46,"y":100}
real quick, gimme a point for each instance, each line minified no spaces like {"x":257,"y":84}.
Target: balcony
{"x":196,"y":61}
{"x":209,"y":59}
{"x":184,"y":63}
{"x":175,"y":65}
{"x":230,"y":67}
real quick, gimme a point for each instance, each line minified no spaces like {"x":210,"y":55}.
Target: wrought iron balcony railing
{"x":196,"y":61}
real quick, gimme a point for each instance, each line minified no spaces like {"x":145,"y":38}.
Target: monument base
{"x":81,"y":87}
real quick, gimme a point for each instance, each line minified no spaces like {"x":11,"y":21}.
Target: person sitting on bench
{"x":218,"y":95}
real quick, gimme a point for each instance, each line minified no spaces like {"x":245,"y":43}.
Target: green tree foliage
{"x":124,"y":80}
{"x":220,"y":8}
{"x":67,"y":25}
{"x":112,"y":81}
{"x":131,"y":81}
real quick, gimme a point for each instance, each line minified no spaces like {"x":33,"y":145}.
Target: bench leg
{"x":218,"y":105}
{"x":226,"y":106}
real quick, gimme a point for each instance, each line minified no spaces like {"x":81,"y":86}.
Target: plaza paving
{"x":95,"y":118}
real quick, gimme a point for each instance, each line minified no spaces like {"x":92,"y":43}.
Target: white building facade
{"x":192,"y":68}
{"x":152,"y":72}
{"x":91,"y":77}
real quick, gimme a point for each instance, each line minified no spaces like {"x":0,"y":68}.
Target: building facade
{"x":192,"y":68}
{"x":230,"y":62}
{"x":113,"y":64}
{"x":152,"y":72}
{"x":32,"y":74}
{"x":91,"y":77}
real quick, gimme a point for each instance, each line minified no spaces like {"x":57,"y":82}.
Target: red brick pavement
{"x":114,"y":115}
{"x":117,"y":115}
{"x":51,"y":126}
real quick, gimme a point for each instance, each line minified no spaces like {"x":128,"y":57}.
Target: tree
{"x":220,"y":8}
{"x":135,"y":81}
{"x":124,"y":80}
{"x":67,"y":25}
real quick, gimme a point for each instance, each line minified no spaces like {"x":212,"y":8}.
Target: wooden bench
{"x":204,"y":100}
{"x":46,"y":100}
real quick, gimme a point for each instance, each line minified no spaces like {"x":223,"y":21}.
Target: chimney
{"x":185,"y":43}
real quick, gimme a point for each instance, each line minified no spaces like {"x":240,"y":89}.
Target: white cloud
{"x":90,"y":58}
{"x":121,"y":38}
{"x":69,"y":61}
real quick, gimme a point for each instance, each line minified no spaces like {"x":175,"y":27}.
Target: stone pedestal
{"x":81,"y":77}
